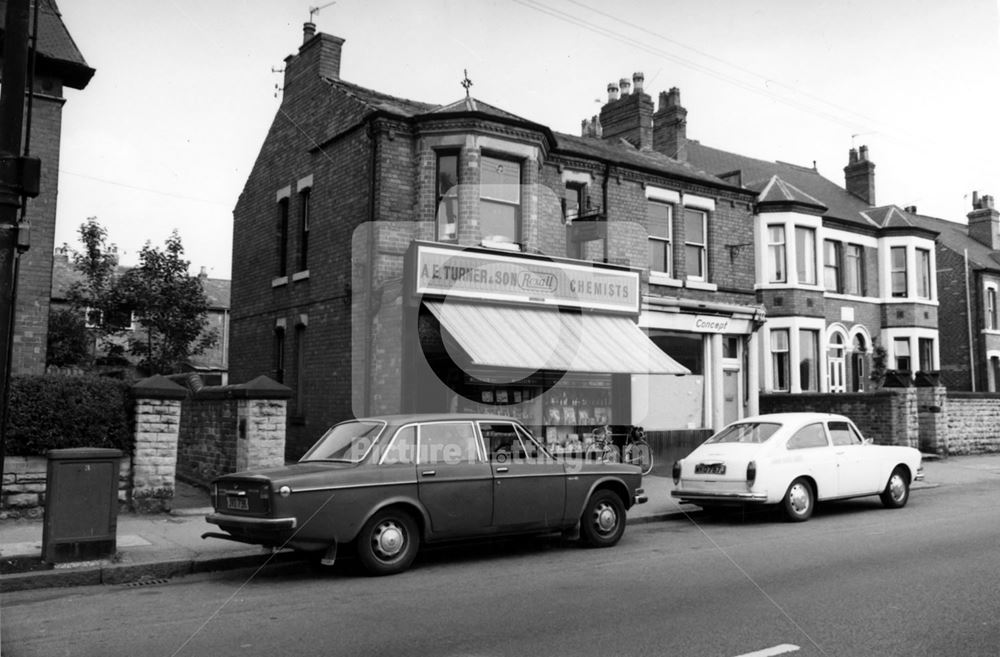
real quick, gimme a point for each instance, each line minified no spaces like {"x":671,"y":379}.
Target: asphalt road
{"x":855,"y":580}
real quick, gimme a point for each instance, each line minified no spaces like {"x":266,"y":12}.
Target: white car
{"x":794,"y":459}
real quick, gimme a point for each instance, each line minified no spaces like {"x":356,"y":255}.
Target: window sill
{"x":701,"y":285}
{"x":279,"y":281}
{"x":660,"y":278}
{"x":300,"y":275}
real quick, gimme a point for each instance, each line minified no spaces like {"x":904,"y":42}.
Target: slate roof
{"x":57,"y":51}
{"x":616,"y":152}
{"x":955,"y":236}
{"x":756,"y":174}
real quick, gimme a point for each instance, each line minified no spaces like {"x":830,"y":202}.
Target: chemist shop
{"x":554,"y":343}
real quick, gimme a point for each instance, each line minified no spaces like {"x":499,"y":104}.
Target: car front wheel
{"x":897,"y":490}
{"x":388,"y":542}
{"x":603,"y":521}
{"x":799,"y":501}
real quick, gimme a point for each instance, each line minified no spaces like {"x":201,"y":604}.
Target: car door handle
{"x":503,"y":469}
{"x":429,"y":473}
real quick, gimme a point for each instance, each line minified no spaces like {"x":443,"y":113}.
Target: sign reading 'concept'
{"x":472,"y":274}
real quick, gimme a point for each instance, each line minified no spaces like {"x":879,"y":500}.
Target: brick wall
{"x":973,"y":423}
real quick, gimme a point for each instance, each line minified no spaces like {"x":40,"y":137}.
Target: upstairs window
{"x":282,"y":237}
{"x":304,"y":217}
{"x":278,"y":357}
{"x":695,"y":243}
{"x":447,"y":197}
{"x":500,"y":199}
{"x":991,"y":308}
{"x":805,"y":255}
{"x":832,"y":265}
{"x":659,"y":219}
{"x":923,"y":273}
{"x":897,"y":271}
{"x":575,"y":201}
{"x":854,"y":270}
{"x":776,"y":254}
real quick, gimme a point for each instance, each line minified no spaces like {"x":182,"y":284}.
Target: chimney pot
{"x":863,"y":153}
{"x":612,"y":92}
{"x":625,"y":84}
{"x":308,"y":31}
{"x":975,"y":200}
{"x":637,"y":80}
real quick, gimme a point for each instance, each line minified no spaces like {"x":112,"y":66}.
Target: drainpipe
{"x":968,"y":312}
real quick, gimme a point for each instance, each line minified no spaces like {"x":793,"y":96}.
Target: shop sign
{"x":476,"y":275}
{"x":711,"y":324}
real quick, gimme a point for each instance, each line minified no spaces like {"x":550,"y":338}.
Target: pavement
{"x":153,"y":548}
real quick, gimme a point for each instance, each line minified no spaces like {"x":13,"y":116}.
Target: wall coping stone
{"x":158,"y":387}
{"x":262,"y":387}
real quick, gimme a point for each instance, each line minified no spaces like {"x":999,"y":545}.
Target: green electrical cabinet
{"x":81,"y":504}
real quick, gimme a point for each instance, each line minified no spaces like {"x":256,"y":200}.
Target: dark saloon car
{"x":387,"y":483}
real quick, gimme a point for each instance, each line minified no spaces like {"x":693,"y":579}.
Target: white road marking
{"x":770,"y":652}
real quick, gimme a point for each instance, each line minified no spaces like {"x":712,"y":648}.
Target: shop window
{"x":304,"y":218}
{"x":448,"y":443}
{"x":854,"y":270}
{"x":923,"y":273}
{"x":776,"y":254}
{"x":805,"y":255}
{"x":695,"y":243}
{"x":809,"y":360}
{"x":832,"y":265}
{"x":901,"y":349}
{"x":926,"y":347}
{"x":282,"y":237}
{"x":686,"y":348}
{"x":991,"y":308}
{"x":500,"y":199}
{"x":447,"y":197}
{"x":780,"y":359}
{"x":659,"y":220}
{"x":897,"y":271}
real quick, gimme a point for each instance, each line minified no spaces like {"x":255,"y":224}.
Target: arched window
{"x":859,"y":363}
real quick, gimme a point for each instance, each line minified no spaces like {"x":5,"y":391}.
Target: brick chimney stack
{"x":984,"y":221}
{"x":318,"y":57}
{"x":628,"y":116}
{"x":859,"y":175}
{"x":670,"y":126}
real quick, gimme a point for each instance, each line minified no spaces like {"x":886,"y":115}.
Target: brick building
{"x":837,"y":273}
{"x":968,"y":278}
{"x":394,"y":255}
{"x":59,"y":64}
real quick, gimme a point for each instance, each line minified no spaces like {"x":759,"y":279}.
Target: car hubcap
{"x":798,"y":499}
{"x":389,"y":540}
{"x":897,"y":488}
{"x":605,"y":518}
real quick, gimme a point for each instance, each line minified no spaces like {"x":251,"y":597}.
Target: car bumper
{"x":920,"y":474}
{"x":640,"y":496}
{"x":720,"y":497}
{"x":269,"y":524}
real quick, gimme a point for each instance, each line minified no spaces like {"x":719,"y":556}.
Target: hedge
{"x":55,"y":412}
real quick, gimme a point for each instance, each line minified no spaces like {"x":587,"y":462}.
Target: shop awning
{"x":542,"y":338}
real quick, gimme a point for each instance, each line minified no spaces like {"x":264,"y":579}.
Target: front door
{"x":838,"y":367}
{"x":455,"y":482}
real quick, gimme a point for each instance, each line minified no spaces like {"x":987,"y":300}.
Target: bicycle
{"x":636,"y":450}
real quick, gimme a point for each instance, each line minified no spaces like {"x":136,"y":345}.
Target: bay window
{"x":805,"y":255}
{"x":500,"y":199}
{"x":776,"y":254}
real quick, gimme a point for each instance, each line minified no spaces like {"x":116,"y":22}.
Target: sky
{"x":166,"y":133}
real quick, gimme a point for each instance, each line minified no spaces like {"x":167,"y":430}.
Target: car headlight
{"x":284,"y":491}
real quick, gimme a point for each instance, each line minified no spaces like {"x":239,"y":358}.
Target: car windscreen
{"x":347,"y":443}
{"x":745,"y":432}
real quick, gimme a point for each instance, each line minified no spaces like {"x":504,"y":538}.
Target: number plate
{"x":237,"y":503}
{"x":710,"y":468}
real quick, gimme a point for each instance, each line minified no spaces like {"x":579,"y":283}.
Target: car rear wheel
{"x":897,"y":490}
{"x":388,"y":542}
{"x":799,"y":501}
{"x":603,"y":521}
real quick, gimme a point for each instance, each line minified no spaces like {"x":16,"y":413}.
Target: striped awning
{"x":547,"y":339}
